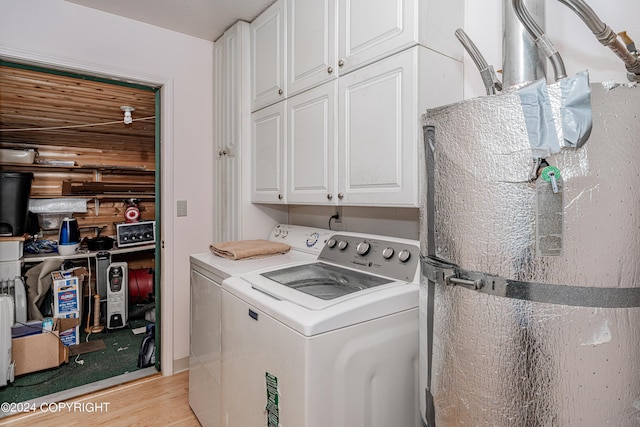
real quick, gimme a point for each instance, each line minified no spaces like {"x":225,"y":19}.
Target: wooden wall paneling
{"x":47,"y":184}
{"x":108,"y":214}
{"x":141,"y":157}
{"x":34,"y":99}
{"x":138,"y":156}
{"x":125,"y":178}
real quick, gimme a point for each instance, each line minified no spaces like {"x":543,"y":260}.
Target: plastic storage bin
{"x":15,"y":188}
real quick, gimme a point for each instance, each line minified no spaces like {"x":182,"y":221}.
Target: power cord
{"x":41,"y":329}
{"x":336,"y":216}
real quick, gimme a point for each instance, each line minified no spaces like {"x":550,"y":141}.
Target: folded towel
{"x":248,"y":249}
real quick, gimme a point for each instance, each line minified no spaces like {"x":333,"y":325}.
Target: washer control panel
{"x":397,"y":259}
{"x":302,"y":238}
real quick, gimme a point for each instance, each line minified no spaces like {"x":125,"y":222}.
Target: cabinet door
{"x":268,"y":57}
{"x":311,"y":43}
{"x":268,"y":133}
{"x":227,"y":129}
{"x":311,"y":146}
{"x":378,"y":133}
{"x":371,"y":30}
{"x":219,"y":84}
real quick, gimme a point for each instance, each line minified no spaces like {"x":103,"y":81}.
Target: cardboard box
{"x":67,"y":291}
{"x":70,"y":335}
{"x":37,"y":352}
{"x":67,"y":297}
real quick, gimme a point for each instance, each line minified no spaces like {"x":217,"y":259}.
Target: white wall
{"x":396,"y":222}
{"x":61,"y":34}
{"x":578,"y":47}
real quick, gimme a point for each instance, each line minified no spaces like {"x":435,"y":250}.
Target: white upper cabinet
{"x":268,"y":57}
{"x":311,"y":149}
{"x":372,"y":30}
{"x":328,"y":38}
{"x":379,"y":130}
{"x":268,"y":136}
{"x":311,"y":43}
{"x":361,"y":144}
{"x":359,"y":74}
{"x":378,"y":133}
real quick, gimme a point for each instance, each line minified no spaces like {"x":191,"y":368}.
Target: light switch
{"x":182,"y":208}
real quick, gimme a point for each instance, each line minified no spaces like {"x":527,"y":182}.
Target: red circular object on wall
{"x":132,"y":214}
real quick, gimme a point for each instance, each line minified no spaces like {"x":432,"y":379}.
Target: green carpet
{"x":119,"y":357}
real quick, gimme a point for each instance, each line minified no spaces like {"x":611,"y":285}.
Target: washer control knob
{"x":342,"y":245}
{"x":331,"y":243}
{"x":276,"y":232}
{"x":404,"y":255}
{"x":387,"y":253}
{"x":363,"y":248}
{"x":312,"y":239}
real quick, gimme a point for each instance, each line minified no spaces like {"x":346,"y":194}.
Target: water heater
{"x":117,"y":295}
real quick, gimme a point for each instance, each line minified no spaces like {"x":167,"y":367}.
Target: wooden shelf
{"x":105,"y":169}
{"x":33,"y":258}
{"x":108,"y":189}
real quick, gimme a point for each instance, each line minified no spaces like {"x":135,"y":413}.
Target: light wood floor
{"x":151,"y":401}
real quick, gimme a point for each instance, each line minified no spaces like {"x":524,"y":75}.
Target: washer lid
{"x":324,"y":281}
{"x":224,"y":267}
{"x":318,"y":285}
{"x":312,"y":316}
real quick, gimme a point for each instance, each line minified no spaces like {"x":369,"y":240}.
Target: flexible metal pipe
{"x":606,"y":36}
{"x":489,"y":78}
{"x":521,"y":60}
{"x":540,"y":38}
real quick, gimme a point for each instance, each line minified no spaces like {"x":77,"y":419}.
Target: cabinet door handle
{"x":220,"y":153}
{"x":340,"y":196}
{"x":330,"y":70}
{"x":340,"y":62}
{"x":279,"y":196}
{"x":329,"y":196}
{"x":280,"y":91}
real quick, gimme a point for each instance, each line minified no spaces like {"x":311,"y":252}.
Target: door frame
{"x":164,"y":198}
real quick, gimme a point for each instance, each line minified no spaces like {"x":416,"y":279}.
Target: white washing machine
{"x":207,"y":273}
{"x":329,"y":342}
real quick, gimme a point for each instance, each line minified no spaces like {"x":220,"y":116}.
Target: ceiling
{"x":70,"y":111}
{"x":205,"y":19}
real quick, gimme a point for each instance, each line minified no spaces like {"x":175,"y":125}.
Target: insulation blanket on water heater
{"x":526,"y":338}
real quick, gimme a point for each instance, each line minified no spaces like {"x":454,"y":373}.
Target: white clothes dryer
{"x":207,"y":273}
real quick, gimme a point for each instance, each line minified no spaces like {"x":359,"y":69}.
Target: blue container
{"x":69,"y":232}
